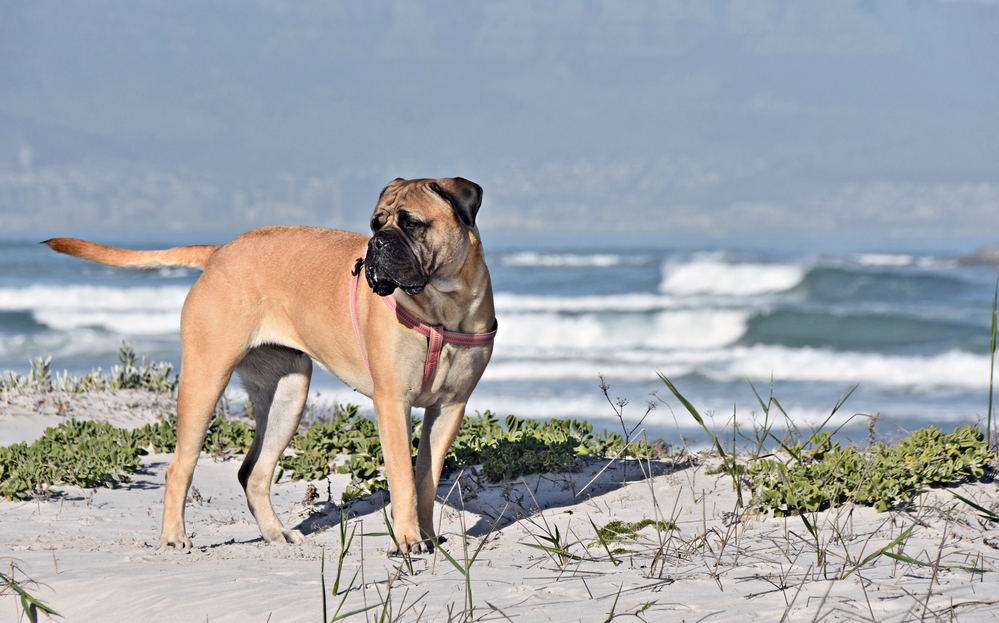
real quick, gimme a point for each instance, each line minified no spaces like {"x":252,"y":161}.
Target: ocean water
{"x":908,"y":326}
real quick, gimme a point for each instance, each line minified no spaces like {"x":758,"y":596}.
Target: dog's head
{"x":420,"y":231}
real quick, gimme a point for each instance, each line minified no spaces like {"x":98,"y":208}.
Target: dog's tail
{"x":195,"y":256}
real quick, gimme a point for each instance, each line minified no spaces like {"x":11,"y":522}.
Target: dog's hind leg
{"x":202,"y":381}
{"x":277,"y":380}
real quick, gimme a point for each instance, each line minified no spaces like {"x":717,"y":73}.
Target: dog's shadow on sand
{"x":499,"y":504}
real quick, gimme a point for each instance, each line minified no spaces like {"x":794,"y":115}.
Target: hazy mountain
{"x":740,"y":117}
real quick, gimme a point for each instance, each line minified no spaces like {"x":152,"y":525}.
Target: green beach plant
{"x":88,"y":454}
{"x":984,"y":514}
{"x":730,"y":463}
{"x":465,"y":567}
{"x":82,"y":453}
{"x":505,"y":451}
{"x":819,"y":473}
{"x":30,"y":605}
{"x":91,"y":454}
{"x":129,"y":373}
{"x":829,"y":474}
{"x":345,"y":543}
{"x":617,"y":531}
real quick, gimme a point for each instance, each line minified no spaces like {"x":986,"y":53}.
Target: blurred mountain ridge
{"x":721,"y":117}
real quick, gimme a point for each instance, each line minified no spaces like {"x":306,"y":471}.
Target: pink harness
{"x":436,"y":334}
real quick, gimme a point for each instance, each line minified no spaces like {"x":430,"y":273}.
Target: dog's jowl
{"x":415,"y":332}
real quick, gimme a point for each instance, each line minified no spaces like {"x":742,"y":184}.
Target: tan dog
{"x":275,"y":298}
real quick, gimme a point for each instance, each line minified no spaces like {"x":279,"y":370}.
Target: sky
{"x":709,"y":118}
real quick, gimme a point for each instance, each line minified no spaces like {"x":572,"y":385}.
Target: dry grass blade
{"x":839,"y":404}
{"x":29,"y":604}
{"x":983,"y":512}
{"x":346,"y":615}
{"x":611,"y":615}
{"x":603,"y":542}
{"x":880,"y":552}
{"x":466,"y":569}
{"x":322,"y":578}
{"x":728,"y":459}
{"x":405,"y":554}
{"x":931,"y":565}
{"x":336,"y":615}
{"x":693,"y":412}
{"x":600,"y":473}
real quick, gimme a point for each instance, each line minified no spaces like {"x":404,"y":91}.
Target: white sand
{"x":91,"y":552}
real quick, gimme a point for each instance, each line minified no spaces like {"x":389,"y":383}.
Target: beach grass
{"x":129,"y":373}
{"x":30,"y":605}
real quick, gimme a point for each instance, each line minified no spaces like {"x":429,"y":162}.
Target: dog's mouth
{"x":384,"y":273}
{"x":382,"y":288}
{"x":385,"y":287}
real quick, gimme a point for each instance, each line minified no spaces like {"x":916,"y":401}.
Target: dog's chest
{"x":457,"y":373}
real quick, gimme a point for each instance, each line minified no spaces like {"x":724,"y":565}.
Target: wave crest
{"x":718,"y":278}
{"x":128,"y":311}
{"x":565,"y":260}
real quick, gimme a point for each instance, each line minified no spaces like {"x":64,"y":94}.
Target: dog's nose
{"x":377,"y":243}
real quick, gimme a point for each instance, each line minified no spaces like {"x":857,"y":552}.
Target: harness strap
{"x":353,"y":318}
{"x":436,"y":335}
{"x":434,"y":346}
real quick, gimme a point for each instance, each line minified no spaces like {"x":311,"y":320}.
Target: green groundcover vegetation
{"x":827,"y":474}
{"x":90,"y":454}
{"x":810,"y":477}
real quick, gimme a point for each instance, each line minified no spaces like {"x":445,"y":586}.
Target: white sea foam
{"x":936,"y":263}
{"x":99,"y":346}
{"x":883,"y":259}
{"x":594,"y":408}
{"x":126,"y":323}
{"x":84,"y":297}
{"x":566,"y":260}
{"x":952,"y":369}
{"x":636,"y":302}
{"x":710,"y":275}
{"x":168,"y":272}
{"x":702,"y":328}
{"x":128,"y":311}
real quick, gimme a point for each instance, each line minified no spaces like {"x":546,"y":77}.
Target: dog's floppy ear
{"x":464,"y":196}
{"x":391,"y":184}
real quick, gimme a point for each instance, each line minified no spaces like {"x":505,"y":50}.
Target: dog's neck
{"x":462,"y":302}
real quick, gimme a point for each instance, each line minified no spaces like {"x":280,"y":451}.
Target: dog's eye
{"x":410,"y":224}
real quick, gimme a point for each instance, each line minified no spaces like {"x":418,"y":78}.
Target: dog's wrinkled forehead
{"x":390,"y":194}
{"x":456,"y":195}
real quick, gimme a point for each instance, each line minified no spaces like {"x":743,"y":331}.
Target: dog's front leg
{"x":394,"y":428}
{"x":440,"y":427}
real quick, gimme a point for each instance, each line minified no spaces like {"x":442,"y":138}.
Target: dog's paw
{"x":409,"y":548}
{"x":295,"y":537}
{"x":281,"y":535}
{"x":176,"y":543}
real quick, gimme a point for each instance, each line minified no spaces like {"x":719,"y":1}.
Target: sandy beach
{"x":90,"y":553}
